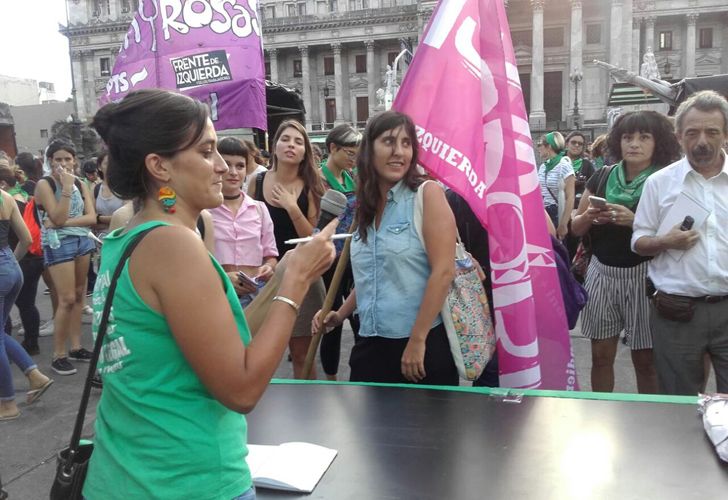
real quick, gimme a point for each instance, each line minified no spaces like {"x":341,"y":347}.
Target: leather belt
{"x":710,"y":299}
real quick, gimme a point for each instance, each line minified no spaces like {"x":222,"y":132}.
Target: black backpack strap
{"x":97,"y":190}
{"x":103,"y":324}
{"x":259,"y":186}
{"x":602,"y":186}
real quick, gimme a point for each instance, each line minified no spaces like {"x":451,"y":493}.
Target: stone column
{"x":615,"y":28}
{"x":576,"y":44}
{"x":649,"y":35}
{"x":371,"y":76}
{"x":273,"y":59}
{"x":690,"y":45}
{"x":338,"y":83}
{"x":537,"y":118}
{"x":306,"y":83}
{"x":636,"y":59}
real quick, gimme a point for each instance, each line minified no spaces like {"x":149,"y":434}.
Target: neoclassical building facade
{"x":336,"y":52}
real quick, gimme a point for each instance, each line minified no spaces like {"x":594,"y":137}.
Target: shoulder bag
{"x":72,"y":461}
{"x":465,"y":313}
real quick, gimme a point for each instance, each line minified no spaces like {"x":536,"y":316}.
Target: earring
{"x":167,"y":197}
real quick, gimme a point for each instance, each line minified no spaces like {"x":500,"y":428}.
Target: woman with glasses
{"x":556,"y":176}
{"x":342,"y":144}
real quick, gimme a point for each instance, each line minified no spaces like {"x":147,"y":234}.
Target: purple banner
{"x":207,"y":49}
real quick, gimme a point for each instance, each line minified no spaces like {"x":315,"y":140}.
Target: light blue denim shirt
{"x":390,"y":270}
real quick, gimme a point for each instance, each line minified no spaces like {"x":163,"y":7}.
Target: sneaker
{"x":63,"y":367}
{"x":46,"y":329}
{"x":89,"y":293}
{"x":47,"y":291}
{"x":32,"y":350}
{"x":88,"y":309}
{"x":97,"y":382}
{"x":80,"y":355}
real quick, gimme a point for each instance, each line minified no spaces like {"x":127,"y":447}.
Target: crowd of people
{"x":217,"y":220}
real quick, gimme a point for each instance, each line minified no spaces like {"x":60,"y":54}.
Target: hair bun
{"x":103,"y":119}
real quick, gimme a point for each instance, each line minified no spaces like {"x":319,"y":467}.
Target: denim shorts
{"x":71,"y":247}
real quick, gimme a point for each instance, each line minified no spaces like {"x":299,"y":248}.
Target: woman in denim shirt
{"x":399,"y":285}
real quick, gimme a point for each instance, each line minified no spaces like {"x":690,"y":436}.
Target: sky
{"x":30,"y":44}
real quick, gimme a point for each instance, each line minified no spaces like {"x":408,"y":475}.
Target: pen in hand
{"x":295,"y":241}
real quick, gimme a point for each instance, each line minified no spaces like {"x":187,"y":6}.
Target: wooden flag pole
{"x":326,"y":307}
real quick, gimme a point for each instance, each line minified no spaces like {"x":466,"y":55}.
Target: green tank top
{"x":159,"y":432}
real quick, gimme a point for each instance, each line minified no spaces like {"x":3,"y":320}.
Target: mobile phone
{"x":687,"y":223}
{"x":244,"y":278}
{"x":597,"y":202}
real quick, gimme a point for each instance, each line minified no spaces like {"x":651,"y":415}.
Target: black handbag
{"x":72,"y":461}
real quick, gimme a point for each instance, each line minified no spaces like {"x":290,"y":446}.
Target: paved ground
{"x":29,"y":443}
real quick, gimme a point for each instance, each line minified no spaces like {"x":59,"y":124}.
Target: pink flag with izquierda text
{"x":463,"y":92}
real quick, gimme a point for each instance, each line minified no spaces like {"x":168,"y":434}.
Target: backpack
{"x":574,"y":295}
{"x":30,"y":217}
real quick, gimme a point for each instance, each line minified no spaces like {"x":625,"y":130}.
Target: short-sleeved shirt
{"x":159,"y":431}
{"x":611,"y":243}
{"x":246,"y":237}
{"x":551,"y":181}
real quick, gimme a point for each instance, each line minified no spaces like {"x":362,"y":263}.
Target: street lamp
{"x":667,"y":68}
{"x":326,"y":89}
{"x":575,"y":77}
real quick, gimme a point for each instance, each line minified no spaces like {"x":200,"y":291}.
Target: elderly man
{"x":689,"y":315}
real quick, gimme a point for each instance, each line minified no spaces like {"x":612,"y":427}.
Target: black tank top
{"x":283,"y":227}
{"x":4,"y":230}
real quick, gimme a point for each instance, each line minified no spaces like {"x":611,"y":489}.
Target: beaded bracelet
{"x":288,"y":301}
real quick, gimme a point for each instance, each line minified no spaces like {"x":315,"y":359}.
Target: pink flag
{"x":464,"y":95}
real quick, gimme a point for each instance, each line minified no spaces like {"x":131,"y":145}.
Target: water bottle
{"x":53,"y":240}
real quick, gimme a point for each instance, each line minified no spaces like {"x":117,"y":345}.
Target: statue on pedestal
{"x":649,"y":67}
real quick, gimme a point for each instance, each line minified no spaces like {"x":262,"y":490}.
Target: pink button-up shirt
{"x":244,"y":238}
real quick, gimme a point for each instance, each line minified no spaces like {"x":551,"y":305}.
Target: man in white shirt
{"x":689,"y":313}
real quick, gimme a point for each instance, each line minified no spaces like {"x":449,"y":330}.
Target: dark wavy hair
{"x":368,"y":194}
{"x":307,"y":168}
{"x":60,"y":145}
{"x":667,"y":149}
{"x":145,"y":122}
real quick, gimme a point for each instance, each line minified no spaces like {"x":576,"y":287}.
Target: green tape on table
{"x":504,"y":392}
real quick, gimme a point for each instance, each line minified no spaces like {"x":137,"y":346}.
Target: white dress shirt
{"x":702,"y":270}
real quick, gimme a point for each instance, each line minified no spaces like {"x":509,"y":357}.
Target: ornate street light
{"x":326,"y":89}
{"x":576,"y":77}
{"x":667,"y":68}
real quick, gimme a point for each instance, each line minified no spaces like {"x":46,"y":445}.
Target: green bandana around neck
{"x":620,"y":192}
{"x":576,"y":164}
{"x":553,"y":161}
{"x":348,"y":186}
{"x":598,"y":162}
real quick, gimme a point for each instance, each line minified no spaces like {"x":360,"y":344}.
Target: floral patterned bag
{"x":465,"y":313}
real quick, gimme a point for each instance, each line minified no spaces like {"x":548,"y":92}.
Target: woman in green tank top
{"x":179,"y":371}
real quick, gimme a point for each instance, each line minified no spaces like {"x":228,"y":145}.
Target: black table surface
{"x":400,"y":443}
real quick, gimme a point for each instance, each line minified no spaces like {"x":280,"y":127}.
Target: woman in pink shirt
{"x":244,"y":239}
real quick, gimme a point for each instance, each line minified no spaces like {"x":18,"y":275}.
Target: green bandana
{"x":17,"y":189}
{"x":552,"y":162}
{"x":348,"y":186}
{"x":577,"y":164}
{"x":620,"y":192}
{"x":598,"y":162}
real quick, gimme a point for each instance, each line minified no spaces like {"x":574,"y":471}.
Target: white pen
{"x":294,"y":241}
{"x":95,"y":238}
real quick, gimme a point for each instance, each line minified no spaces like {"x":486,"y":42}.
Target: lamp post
{"x":667,"y":68}
{"x":576,"y":77}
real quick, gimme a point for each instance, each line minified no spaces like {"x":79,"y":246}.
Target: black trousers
{"x":331,"y":342}
{"x":32,"y":268}
{"x":378,"y":359}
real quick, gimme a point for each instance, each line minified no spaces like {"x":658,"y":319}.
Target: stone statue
{"x":389,"y":79}
{"x":380,"y":97}
{"x":649,"y":67}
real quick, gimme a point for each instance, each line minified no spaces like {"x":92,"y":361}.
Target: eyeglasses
{"x":349,"y":153}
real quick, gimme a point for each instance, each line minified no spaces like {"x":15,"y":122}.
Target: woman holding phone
{"x":643,"y":142}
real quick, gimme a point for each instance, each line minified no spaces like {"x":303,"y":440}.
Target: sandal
{"x":35,"y":394}
{"x":9,"y":417}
